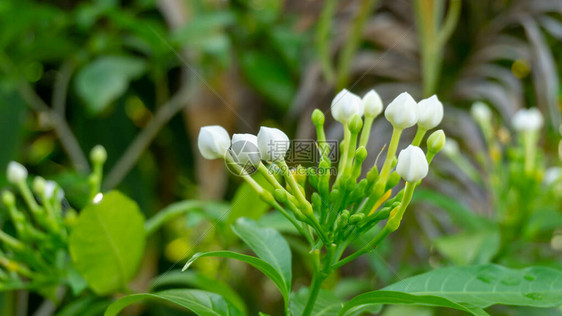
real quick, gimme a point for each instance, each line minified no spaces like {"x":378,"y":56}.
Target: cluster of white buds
{"x":347,"y":203}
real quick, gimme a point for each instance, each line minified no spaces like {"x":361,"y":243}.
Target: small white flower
{"x":401,"y":112}
{"x":552,"y":175}
{"x":430,"y":112}
{"x":346,"y":104}
{"x":16,"y":173}
{"x":50,"y":187}
{"x":213,"y":142}
{"x":480,"y":112}
{"x":527,"y":120}
{"x":372,"y":104}
{"x":451,"y":147}
{"x":245,"y":149}
{"x":273,"y":143}
{"x":412,"y":165}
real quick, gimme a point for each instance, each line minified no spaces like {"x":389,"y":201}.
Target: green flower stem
{"x":29,"y":199}
{"x":343,"y":158}
{"x":96,"y":179}
{"x":323,"y":39}
{"x":271,"y":179}
{"x":385,"y":171}
{"x":529,"y":143}
{"x":419,"y":136}
{"x":366,"y":132}
{"x":11,"y":241}
{"x":314,"y":290}
{"x":351,"y":146}
{"x":391,"y":226}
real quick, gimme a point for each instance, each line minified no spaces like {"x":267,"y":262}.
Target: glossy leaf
{"x":372,"y":299}
{"x":107,"y":242}
{"x":268,"y":245}
{"x":487,"y":285}
{"x":106,"y":79}
{"x":177,"y":279}
{"x":257,"y":263}
{"x":199,"y":302}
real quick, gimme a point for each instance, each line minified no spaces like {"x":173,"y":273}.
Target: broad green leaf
{"x":326,"y":303}
{"x":199,"y":302}
{"x":269,"y":77}
{"x":179,"y":279}
{"x":471,"y":247}
{"x":268,"y":244}
{"x":107,"y":242}
{"x":257,"y":263}
{"x":105,"y":79}
{"x":374,"y":298}
{"x":487,"y":285}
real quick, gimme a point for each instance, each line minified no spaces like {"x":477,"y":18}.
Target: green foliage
{"x":107,"y":242}
{"x":470,"y":247}
{"x":199,"y":302}
{"x":105,"y":79}
{"x":327,"y":303}
{"x":487,"y":285}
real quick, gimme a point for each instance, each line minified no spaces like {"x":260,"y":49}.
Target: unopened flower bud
{"x":39,"y":185}
{"x":412,"y":165}
{"x":16,"y":173}
{"x":50,"y":187}
{"x":481,"y":112}
{"x":393,"y":180}
{"x":355,"y":124}
{"x":401,"y":112}
{"x":8,"y":198}
{"x":318,"y":118}
{"x":436,"y":141}
{"x":346,"y":104}
{"x":361,"y":154}
{"x":356,"y":218}
{"x":280,"y":195}
{"x":98,"y":154}
{"x":245,"y":149}
{"x":527,"y":120}
{"x":273,"y":144}
{"x":372,"y":104}
{"x":213,"y":142}
{"x":343,"y":219}
{"x":430,"y":112}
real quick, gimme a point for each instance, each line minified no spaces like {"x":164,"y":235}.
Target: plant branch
{"x":145,"y":137}
{"x":60,"y":92}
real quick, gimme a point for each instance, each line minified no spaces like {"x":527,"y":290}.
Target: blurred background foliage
{"x":141,"y":77}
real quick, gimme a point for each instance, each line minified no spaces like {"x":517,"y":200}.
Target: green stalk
{"x":420,"y":133}
{"x":385,"y":171}
{"x":353,"y":40}
{"x":366,"y":133}
{"x":317,"y":280}
{"x":323,"y":44}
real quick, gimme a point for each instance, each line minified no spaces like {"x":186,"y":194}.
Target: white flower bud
{"x":16,"y":173}
{"x":372,"y":104}
{"x":401,"y":112}
{"x":344,"y":105}
{"x":273,"y":143}
{"x":527,"y":120}
{"x":552,"y":175}
{"x":430,"y":112}
{"x":451,"y":147}
{"x":50,"y":187}
{"x":245,"y":149}
{"x":481,"y":112}
{"x":213,"y":142}
{"x":412,"y":165}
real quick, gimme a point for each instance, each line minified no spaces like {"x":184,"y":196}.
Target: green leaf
{"x":199,"y":302}
{"x":107,"y":242}
{"x":269,"y":77}
{"x":105,"y":79}
{"x":326,"y":303}
{"x":178,"y":279}
{"x":487,"y":285}
{"x":257,"y":263}
{"x":268,"y":244}
{"x":374,"y":298}
{"x":472,"y":247}
{"x":247,"y":202}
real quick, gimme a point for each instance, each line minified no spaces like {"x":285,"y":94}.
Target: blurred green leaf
{"x":268,"y":244}
{"x":200,"y":302}
{"x":543,"y":221}
{"x":269,"y":77}
{"x":471,"y":247}
{"x":12,"y":115}
{"x":247,"y":202}
{"x":372,"y":299}
{"x":487,"y":285}
{"x":107,"y":242}
{"x":177,"y":279}
{"x":105,"y":79}
{"x":264,"y":267}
